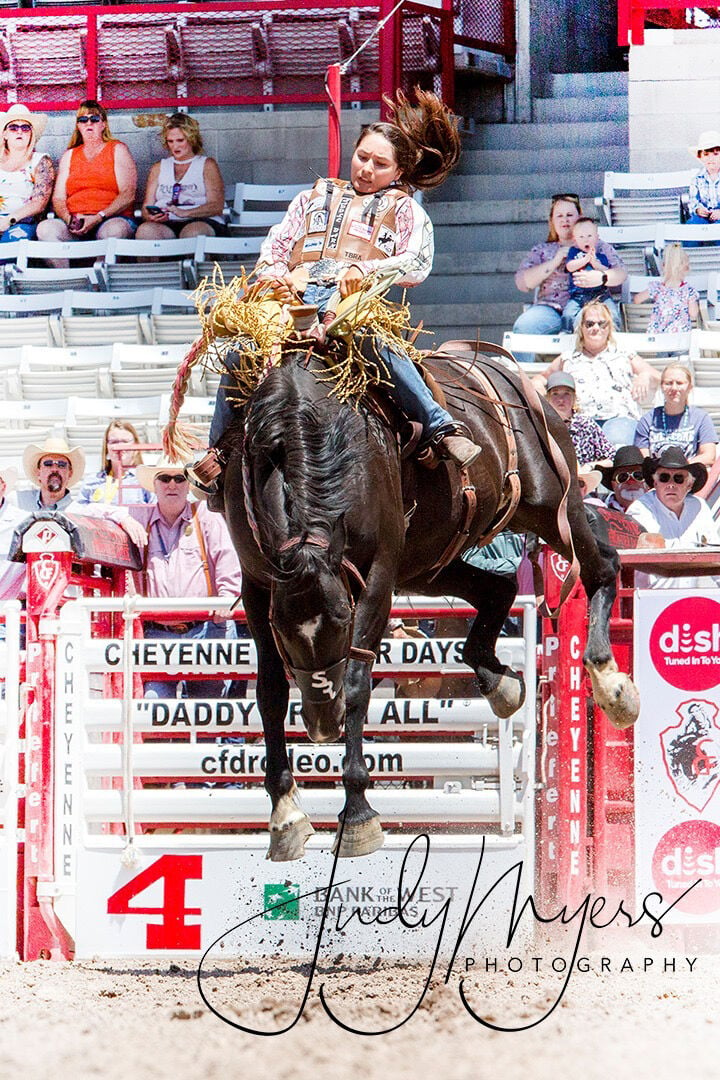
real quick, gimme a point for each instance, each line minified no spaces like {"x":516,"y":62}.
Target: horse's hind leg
{"x":613,"y":691}
{"x":289,"y":824}
{"x":492,"y":595}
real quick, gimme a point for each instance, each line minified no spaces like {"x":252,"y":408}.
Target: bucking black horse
{"x":318,"y":504}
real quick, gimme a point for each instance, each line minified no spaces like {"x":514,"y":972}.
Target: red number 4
{"x":173,"y":932}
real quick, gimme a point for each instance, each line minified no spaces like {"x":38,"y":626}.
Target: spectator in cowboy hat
{"x":704,"y":194}
{"x":53,"y":467}
{"x":12,"y":575}
{"x":625,"y":478}
{"x":588,"y":480}
{"x":189,"y":554}
{"x":673,"y":510}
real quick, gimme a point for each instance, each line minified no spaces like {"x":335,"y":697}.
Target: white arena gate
{"x":153,"y":817}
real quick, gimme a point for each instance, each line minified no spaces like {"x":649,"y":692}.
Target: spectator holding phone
{"x":94,"y":194}
{"x":185,"y":193}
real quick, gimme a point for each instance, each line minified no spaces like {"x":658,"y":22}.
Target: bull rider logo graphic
{"x":691,"y":752}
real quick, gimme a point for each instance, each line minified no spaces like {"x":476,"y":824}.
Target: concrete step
{"x":464,"y":321}
{"x":523,"y":185}
{"x":564,"y":110}
{"x":489,"y":226}
{"x":555,"y":159}
{"x":476,"y":262}
{"x":592,"y":84}
{"x":468,"y":289}
{"x":543,"y":136}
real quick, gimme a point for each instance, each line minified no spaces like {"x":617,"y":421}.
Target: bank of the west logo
{"x":282,"y":901}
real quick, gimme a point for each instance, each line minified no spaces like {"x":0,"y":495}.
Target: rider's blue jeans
{"x":408,"y":389}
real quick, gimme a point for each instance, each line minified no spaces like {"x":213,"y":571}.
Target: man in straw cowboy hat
{"x":704,"y":195}
{"x":12,"y":575}
{"x":53,"y":467}
{"x":26,"y":174}
{"x":673,"y":510}
{"x":188,"y":554}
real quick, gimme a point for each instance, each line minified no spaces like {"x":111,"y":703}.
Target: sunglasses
{"x":57,"y":462}
{"x":89,"y":119}
{"x":675,"y":478}
{"x":18,"y":127}
{"x":589,"y":323}
{"x":628,"y":474}
{"x":712,"y":150}
{"x":176,"y":189}
{"x":171,"y":478}
{"x":569,"y":196}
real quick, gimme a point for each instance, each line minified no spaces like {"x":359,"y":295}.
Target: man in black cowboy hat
{"x":673,"y":510}
{"x":625,"y":478}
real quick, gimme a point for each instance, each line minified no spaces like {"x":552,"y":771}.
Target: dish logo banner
{"x":685,"y":643}
{"x":677,"y":750}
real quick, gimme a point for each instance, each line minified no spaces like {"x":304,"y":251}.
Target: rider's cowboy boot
{"x":459,"y":450}
{"x":204,"y":474}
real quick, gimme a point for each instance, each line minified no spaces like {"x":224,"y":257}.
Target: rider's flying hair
{"x":424,"y":138}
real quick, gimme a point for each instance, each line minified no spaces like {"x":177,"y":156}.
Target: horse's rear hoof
{"x":509,"y":694}
{"x":356,"y":840}
{"x":288,"y":843}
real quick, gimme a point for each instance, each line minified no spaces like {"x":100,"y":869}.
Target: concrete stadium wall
{"x":673,"y":95}
{"x":285,"y":146}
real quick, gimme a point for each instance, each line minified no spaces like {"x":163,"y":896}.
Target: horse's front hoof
{"x":356,"y":840}
{"x":616,"y":694}
{"x":509,"y":694}
{"x":288,"y":842}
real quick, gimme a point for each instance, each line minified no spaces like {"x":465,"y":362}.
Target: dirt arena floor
{"x":146,"y":1020}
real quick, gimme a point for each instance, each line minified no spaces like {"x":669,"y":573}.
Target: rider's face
{"x":373,"y":166}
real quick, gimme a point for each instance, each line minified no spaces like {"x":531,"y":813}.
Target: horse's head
{"x":312,"y":619}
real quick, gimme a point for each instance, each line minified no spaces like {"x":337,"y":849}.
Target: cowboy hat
{"x":56,"y":446}
{"x":590,"y":476}
{"x":626,"y":457}
{"x":672,"y":457}
{"x":146,"y":473}
{"x":706,"y":141}
{"x":560,"y":378}
{"x":38,"y":121}
{"x":9,"y":476}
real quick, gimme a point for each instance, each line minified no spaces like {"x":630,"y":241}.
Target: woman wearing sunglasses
{"x":185,"y":194}
{"x":609,"y":383}
{"x":673,"y":510}
{"x":543,"y":271}
{"x":26,"y":175}
{"x":94,"y":192}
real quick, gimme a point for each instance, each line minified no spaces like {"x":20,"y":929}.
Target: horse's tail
{"x":179,"y":439}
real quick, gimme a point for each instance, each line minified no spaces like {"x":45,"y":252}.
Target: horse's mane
{"x":315,"y":445}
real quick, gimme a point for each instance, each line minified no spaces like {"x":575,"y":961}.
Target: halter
{"x":324,"y":684}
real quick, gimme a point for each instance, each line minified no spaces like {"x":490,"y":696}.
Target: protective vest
{"x":340,"y":224}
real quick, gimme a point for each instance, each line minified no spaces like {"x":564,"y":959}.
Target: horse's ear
{"x":336,"y":547}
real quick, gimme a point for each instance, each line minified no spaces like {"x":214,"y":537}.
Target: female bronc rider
{"x":337,"y":233}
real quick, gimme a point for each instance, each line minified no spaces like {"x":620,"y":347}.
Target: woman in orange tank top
{"x":94,"y":193}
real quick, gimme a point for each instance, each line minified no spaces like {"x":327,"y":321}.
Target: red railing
{"x":167,"y":55}
{"x":634,"y":15}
